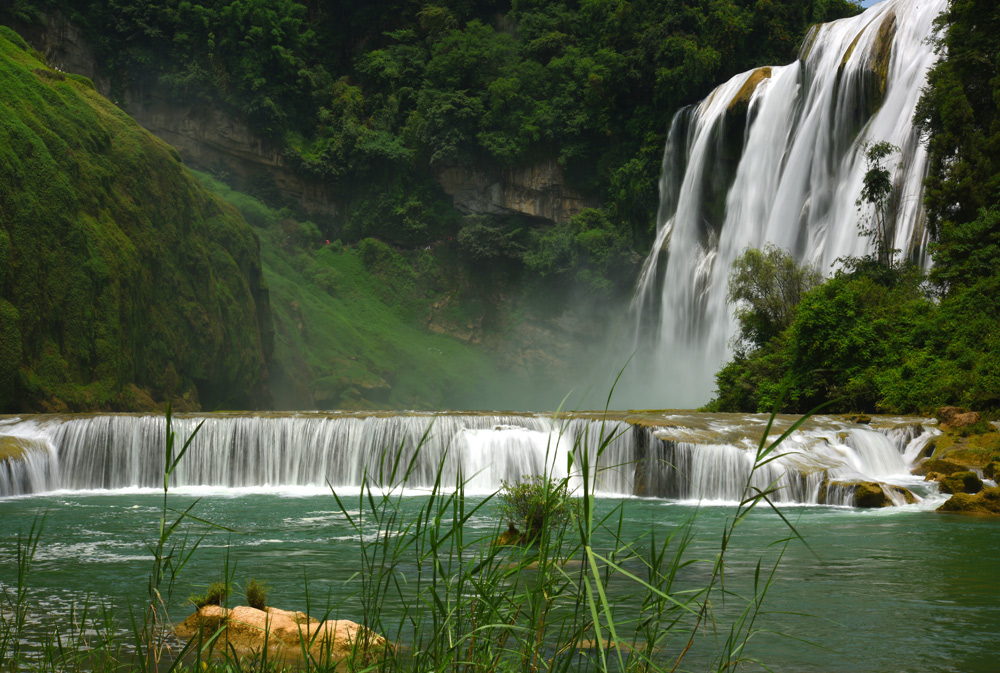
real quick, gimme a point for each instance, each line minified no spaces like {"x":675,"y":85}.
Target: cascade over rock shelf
{"x":679,"y":456}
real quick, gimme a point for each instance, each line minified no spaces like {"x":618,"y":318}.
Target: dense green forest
{"x":371,"y":98}
{"x":880,"y":335}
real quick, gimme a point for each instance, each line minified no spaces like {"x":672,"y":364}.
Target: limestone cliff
{"x":538,"y":190}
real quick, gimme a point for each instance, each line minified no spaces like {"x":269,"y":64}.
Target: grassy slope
{"x":120,"y":276}
{"x":347,"y":334}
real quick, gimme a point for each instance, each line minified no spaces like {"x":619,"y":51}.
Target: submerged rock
{"x":986,"y":501}
{"x":286,"y":633}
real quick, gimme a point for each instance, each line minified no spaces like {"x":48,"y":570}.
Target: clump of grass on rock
{"x":256,"y":592}
{"x":216,"y":594}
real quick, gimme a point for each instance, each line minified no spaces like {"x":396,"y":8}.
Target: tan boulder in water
{"x":285,"y":633}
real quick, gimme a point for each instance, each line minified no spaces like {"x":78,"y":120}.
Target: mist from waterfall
{"x":776,"y":155}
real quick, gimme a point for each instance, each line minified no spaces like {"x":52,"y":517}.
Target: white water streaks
{"x":776,"y":155}
{"x":681,"y":457}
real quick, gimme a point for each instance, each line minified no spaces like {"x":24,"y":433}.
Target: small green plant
{"x":537,"y":505}
{"x":256,"y":593}
{"x":216,"y":594}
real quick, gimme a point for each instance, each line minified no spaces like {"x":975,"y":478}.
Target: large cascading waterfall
{"x":682,"y":459}
{"x":776,"y":155}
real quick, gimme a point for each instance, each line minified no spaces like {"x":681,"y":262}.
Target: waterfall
{"x":776,"y":155}
{"x":683,"y":459}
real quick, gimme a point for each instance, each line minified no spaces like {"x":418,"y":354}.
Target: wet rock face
{"x":865,"y":494}
{"x":538,"y":190}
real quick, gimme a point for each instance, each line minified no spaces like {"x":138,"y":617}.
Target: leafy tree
{"x":877,"y":196}
{"x":967,"y":252}
{"x":765,"y":286}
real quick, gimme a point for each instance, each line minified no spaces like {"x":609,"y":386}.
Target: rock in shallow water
{"x":863,"y":494}
{"x":961,"y":482}
{"x":986,"y":501}
{"x":285,"y":633}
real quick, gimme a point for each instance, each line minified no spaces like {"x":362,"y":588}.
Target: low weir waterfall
{"x":690,"y":457}
{"x":776,"y":155}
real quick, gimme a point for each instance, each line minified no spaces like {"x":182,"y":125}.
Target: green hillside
{"x":121,"y":278}
{"x":349,"y":320}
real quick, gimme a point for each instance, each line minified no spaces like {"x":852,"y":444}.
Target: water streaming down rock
{"x":310,"y":451}
{"x":776,"y":155}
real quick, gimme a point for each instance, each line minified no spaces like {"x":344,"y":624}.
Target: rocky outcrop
{"x":939,"y":466}
{"x":863,"y":494}
{"x":961,"y":482}
{"x":986,"y":501}
{"x":741,"y":101}
{"x":246,"y":630}
{"x":538,"y":190}
{"x":207,"y":136}
{"x":950,"y":418}
{"x":511,"y":536}
{"x":64,"y":47}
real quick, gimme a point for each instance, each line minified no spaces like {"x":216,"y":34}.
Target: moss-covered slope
{"x":120,"y":277}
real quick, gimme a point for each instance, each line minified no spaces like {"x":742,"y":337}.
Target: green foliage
{"x":538,"y":506}
{"x":876,"y":346}
{"x":10,"y":351}
{"x":877,"y":194}
{"x":967,"y":252}
{"x":959,"y":116}
{"x":486,"y":242}
{"x":765,"y":286}
{"x":588,"y":251}
{"x":256,"y":593}
{"x":362,"y":96}
{"x":115,"y":260}
{"x":11,"y":36}
{"x":215,"y":594}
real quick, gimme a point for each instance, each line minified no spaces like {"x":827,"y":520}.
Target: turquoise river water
{"x":898,"y":589}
